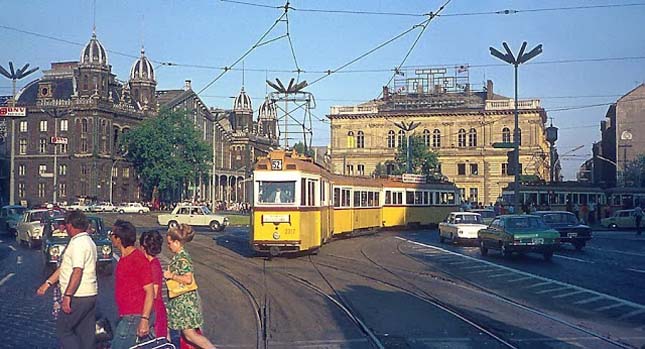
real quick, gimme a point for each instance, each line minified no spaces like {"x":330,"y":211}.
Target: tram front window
{"x":276,"y":192}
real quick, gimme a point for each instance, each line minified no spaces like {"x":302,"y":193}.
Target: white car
{"x":29,"y":229}
{"x":133,"y":207}
{"x":461,"y":226}
{"x":103,"y":207}
{"x":193,"y":215}
{"x":77,"y":206}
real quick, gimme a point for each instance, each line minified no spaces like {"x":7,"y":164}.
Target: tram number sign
{"x":13,"y":111}
{"x":276,"y":165}
{"x":276,"y":218}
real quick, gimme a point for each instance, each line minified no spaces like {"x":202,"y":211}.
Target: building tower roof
{"x":142,"y":68}
{"x":242,"y":102}
{"x":94,"y":52}
{"x":268,"y":110}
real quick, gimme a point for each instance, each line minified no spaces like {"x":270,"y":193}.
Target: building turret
{"x":267,"y":119}
{"x":142,"y":83}
{"x":242,"y":118}
{"x":93,"y":74}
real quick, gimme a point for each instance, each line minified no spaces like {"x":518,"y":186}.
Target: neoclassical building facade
{"x":460,"y":127}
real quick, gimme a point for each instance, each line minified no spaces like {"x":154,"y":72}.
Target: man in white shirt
{"x":75,"y":326}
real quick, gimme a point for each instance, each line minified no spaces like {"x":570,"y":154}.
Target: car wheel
{"x":121,"y":211}
{"x":548,"y":255}
{"x":140,"y":211}
{"x":579,"y":245}
{"x":173,"y":224}
{"x":613,"y":226}
{"x":482,"y":249}
{"x":215,"y":226}
{"x":505,"y":251}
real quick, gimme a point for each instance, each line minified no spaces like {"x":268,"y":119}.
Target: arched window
{"x":461,"y":138}
{"x":401,"y":137}
{"x":360,"y":139}
{"x":519,"y":136}
{"x":351,"y":141}
{"x":506,"y":135}
{"x":426,"y":137}
{"x":391,"y":140}
{"x":436,"y":138}
{"x":472,"y":138}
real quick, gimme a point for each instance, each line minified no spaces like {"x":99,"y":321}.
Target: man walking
{"x":75,"y":326}
{"x":638,"y":217}
{"x":133,"y":287}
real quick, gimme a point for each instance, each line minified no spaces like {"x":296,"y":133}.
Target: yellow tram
{"x":298,"y":205}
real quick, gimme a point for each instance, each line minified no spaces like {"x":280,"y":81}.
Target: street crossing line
{"x":6,"y":278}
{"x":572,"y":258}
{"x":632,"y":313}
{"x":538,"y":277}
{"x":499,"y":275}
{"x":636,"y":270}
{"x":521,"y":279}
{"x":564,"y":295}
{"x":459,"y":263}
{"x":552,"y":290}
{"x":616,"y":251}
{"x":539,"y":284}
{"x":610,"y":306}
{"x":19,"y":260}
{"x":589,"y":300}
{"x":12,"y":248}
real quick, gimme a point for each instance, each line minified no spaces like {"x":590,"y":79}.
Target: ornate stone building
{"x":459,"y":124}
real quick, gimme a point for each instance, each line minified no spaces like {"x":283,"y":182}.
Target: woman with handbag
{"x":184,"y":306}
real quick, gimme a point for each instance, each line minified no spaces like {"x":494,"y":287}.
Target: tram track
{"x":263,"y":309}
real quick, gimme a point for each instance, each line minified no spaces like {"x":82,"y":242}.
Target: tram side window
{"x":388,"y":197}
{"x":311,"y":192}
{"x":425,"y":198}
{"x":357,"y":199}
{"x":398,"y":198}
{"x":409,"y":197}
{"x":346,"y":198}
{"x":276,"y":192}
{"x":418,"y":198}
{"x":370,"y":199}
{"x":377,"y":201}
{"x":363,"y":199}
{"x":336,"y":197}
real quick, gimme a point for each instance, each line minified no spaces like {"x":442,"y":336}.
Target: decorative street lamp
{"x":521,"y":57}
{"x":14,"y":75}
{"x":409,"y":127}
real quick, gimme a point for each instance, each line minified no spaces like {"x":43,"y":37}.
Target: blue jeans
{"x":125,"y":335}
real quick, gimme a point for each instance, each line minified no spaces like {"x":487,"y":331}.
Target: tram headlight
{"x":276,"y":235}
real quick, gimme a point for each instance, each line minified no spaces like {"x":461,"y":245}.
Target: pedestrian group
{"x":138,"y":282}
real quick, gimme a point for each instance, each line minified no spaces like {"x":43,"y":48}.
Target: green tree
{"x":423,"y":160}
{"x":300,"y":148}
{"x":635,"y":172}
{"x":167,"y":152}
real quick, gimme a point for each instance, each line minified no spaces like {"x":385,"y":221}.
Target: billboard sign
{"x":13,"y":111}
{"x":58,"y":140}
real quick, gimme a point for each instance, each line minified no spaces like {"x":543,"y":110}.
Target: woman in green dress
{"x":184,"y":310}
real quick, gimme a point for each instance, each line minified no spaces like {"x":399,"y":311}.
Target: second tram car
{"x":298,"y":205}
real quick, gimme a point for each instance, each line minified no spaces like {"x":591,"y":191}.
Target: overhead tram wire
{"x":288,"y":34}
{"x":414,"y":44}
{"x":257,"y":43}
{"x":422,"y":24}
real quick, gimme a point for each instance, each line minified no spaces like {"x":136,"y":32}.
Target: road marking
{"x":564,"y":295}
{"x":636,"y":270}
{"x":4,"y":279}
{"x":572,"y":258}
{"x":630,"y":314}
{"x":552,"y":290}
{"x":616,"y":251}
{"x":1,"y":241}
{"x":521,"y":279}
{"x":19,"y":261}
{"x":539,"y":284}
{"x":476,"y":267}
{"x":12,"y":248}
{"x":459,"y":263}
{"x":481,"y":271}
{"x":589,"y":300}
{"x":610,"y":306}
{"x":545,"y":279}
{"x":500,"y":275}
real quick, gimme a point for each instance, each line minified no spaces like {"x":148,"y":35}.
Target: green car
{"x":519,"y":233}
{"x":55,"y":239}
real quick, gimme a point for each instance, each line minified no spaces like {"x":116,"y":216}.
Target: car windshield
{"x":523,"y":223}
{"x":206,"y":210}
{"x":282,"y":192}
{"x":16,"y":211}
{"x":560,"y":218}
{"x":468,"y":219}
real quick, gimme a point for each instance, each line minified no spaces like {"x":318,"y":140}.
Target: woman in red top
{"x":151,"y":242}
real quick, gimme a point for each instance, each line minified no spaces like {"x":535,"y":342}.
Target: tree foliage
{"x":423,"y":160}
{"x":166,"y":151}
{"x":300,"y":148}
{"x":635,"y":172}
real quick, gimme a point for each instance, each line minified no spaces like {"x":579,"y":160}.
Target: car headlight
{"x":460,"y":232}
{"x":36,"y":230}
{"x":106,"y":249}
{"x":56,"y":250}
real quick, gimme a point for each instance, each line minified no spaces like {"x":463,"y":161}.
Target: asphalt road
{"x":389,"y":290}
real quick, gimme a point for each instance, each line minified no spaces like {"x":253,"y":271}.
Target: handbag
{"x":103,"y":331}
{"x":176,"y":288}
{"x":149,"y":342}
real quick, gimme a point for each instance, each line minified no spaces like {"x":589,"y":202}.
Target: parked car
{"x":195,"y":216}
{"x":9,"y":217}
{"x":567,"y":224}
{"x":620,"y":219}
{"x":487,"y":214}
{"x":460,"y":226}
{"x":102,"y":207}
{"x":29,"y":229}
{"x":77,"y":206}
{"x":132,"y":207}
{"x":55,"y":240}
{"x":519,"y":233}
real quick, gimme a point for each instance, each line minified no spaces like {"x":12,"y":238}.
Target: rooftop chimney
{"x":489,"y":89}
{"x":187,"y":86}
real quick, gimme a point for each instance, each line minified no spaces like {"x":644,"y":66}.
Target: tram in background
{"x":299,"y":205}
{"x":555,"y":195}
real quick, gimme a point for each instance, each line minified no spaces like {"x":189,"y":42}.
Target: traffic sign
{"x":58,"y":140}
{"x":13,"y":111}
{"x":503,"y":145}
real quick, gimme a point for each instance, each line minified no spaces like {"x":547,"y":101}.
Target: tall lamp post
{"x":14,"y":75}
{"x":409,"y":127}
{"x":112,"y":175}
{"x":509,"y":58}
{"x":56,"y":114}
